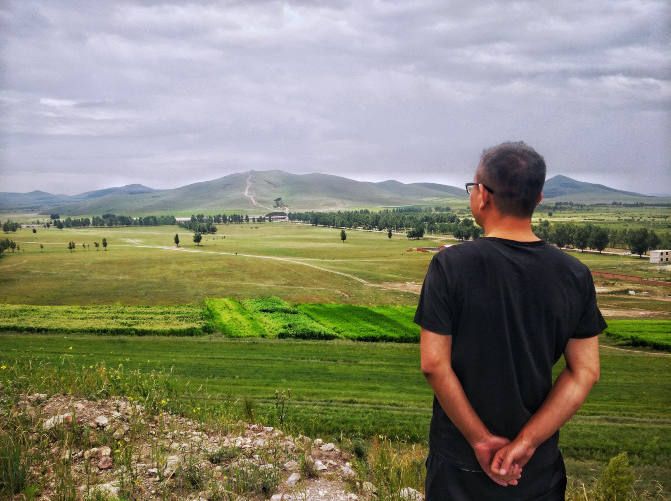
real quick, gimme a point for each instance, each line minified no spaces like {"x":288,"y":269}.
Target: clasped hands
{"x":503,"y":460}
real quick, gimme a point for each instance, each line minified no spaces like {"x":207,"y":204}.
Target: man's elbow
{"x":431,"y":366}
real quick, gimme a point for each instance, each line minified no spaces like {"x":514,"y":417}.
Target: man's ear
{"x":485,"y":198}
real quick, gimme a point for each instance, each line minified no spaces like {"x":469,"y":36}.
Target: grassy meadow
{"x":254,"y":284}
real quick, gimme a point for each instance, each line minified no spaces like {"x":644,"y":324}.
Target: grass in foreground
{"x":338,"y":389}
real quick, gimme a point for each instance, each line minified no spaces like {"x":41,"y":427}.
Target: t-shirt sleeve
{"x":591,"y":322}
{"x":433,"y":311}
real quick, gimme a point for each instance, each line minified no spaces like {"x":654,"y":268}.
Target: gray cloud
{"x":100,"y":93}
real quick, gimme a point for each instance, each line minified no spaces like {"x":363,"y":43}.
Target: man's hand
{"x":485,"y":452}
{"x":514,"y":455}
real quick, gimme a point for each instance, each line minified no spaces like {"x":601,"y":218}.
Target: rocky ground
{"x":109,"y":449}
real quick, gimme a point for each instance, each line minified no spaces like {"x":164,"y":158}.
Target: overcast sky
{"x":99,"y":94}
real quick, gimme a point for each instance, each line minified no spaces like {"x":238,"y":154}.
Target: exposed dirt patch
{"x":629,"y":278}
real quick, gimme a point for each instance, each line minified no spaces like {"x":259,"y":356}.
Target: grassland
{"x":298,"y":263}
{"x":355,"y":389}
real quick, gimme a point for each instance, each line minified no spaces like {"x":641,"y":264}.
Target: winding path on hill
{"x":250,"y":196}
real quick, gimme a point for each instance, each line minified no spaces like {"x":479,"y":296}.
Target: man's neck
{"x":510,"y":228}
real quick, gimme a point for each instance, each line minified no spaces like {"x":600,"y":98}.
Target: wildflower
{"x":70,"y":348}
{"x":3,"y":367}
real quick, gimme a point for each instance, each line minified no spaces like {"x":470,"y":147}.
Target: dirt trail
{"x":250,"y":196}
{"x":388,"y":286}
{"x":629,"y":278}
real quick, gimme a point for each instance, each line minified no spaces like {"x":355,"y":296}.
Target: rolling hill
{"x":255,"y":192}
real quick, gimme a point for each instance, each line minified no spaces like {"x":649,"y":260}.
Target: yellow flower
{"x":3,"y":367}
{"x":70,"y":348}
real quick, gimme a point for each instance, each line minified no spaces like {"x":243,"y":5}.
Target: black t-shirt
{"x":510,"y":308}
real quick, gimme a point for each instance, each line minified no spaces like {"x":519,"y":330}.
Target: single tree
{"x":176,"y":239}
{"x":389,"y":233}
{"x":638,"y":241}
{"x":343,"y":236}
{"x":41,"y":247}
{"x":197,"y":237}
{"x":582,"y":236}
{"x":71,"y":245}
{"x":34,"y":230}
{"x":104,"y":244}
{"x":96,"y":245}
{"x":598,"y":238}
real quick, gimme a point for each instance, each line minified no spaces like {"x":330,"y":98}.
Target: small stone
{"x":171,"y":464}
{"x":102,"y":421}
{"x":152,"y":472}
{"x":259,"y":442}
{"x":368,"y":488}
{"x":57,"y":420}
{"x":328,"y":447}
{"x":119,"y":433}
{"x":104,"y":451}
{"x":293,"y":479}
{"x":319,"y":466}
{"x":268,"y":429}
{"x":348,"y":472}
{"x":352,"y":497}
{"x":318,"y":442}
{"x":276,"y":497}
{"x":291,"y":465}
{"x":410,"y":494}
{"x":105,"y":463}
{"x":109,"y":489}
{"x":37,"y":397}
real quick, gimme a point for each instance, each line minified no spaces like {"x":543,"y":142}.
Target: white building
{"x":660,"y":256}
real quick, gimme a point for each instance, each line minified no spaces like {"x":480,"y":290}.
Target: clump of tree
{"x":9,"y":225}
{"x":416,"y":233}
{"x":389,"y":234}
{"x":71,"y":246}
{"x":343,"y":235}
{"x":7,"y":244}
{"x":197,"y":237}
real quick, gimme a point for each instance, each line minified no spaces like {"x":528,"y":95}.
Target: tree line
{"x":591,"y":236}
{"x":111,"y":220}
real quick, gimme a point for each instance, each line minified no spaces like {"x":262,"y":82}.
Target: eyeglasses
{"x":471,"y":186}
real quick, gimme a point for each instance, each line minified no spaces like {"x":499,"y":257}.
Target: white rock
{"x":293,"y":479}
{"x":91,"y":453}
{"x":368,"y":488}
{"x":352,"y":497}
{"x":171,"y":465}
{"x":152,"y":472}
{"x":259,"y":442}
{"x":276,"y":497}
{"x":102,"y":421}
{"x":57,"y":420}
{"x":291,"y":465}
{"x":318,"y":442}
{"x":319,"y":466}
{"x":104,"y":451}
{"x":268,"y":429}
{"x":348,"y":472}
{"x":328,"y":447}
{"x":109,"y":489}
{"x":410,"y":494}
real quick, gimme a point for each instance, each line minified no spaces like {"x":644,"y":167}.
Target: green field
{"x":353,"y":388}
{"x":652,"y":333}
{"x":298,"y":263}
{"x":258,"y":283}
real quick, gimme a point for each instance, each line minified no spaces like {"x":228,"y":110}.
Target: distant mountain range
{"x":257,"y":191}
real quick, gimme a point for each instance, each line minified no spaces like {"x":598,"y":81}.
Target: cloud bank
{"x":95,"y":94}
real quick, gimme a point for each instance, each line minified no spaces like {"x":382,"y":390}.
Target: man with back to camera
{"x":496,"y":314}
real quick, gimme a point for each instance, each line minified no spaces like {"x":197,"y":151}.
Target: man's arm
{"x":436,"y":362}
{"x":567,"y":395}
